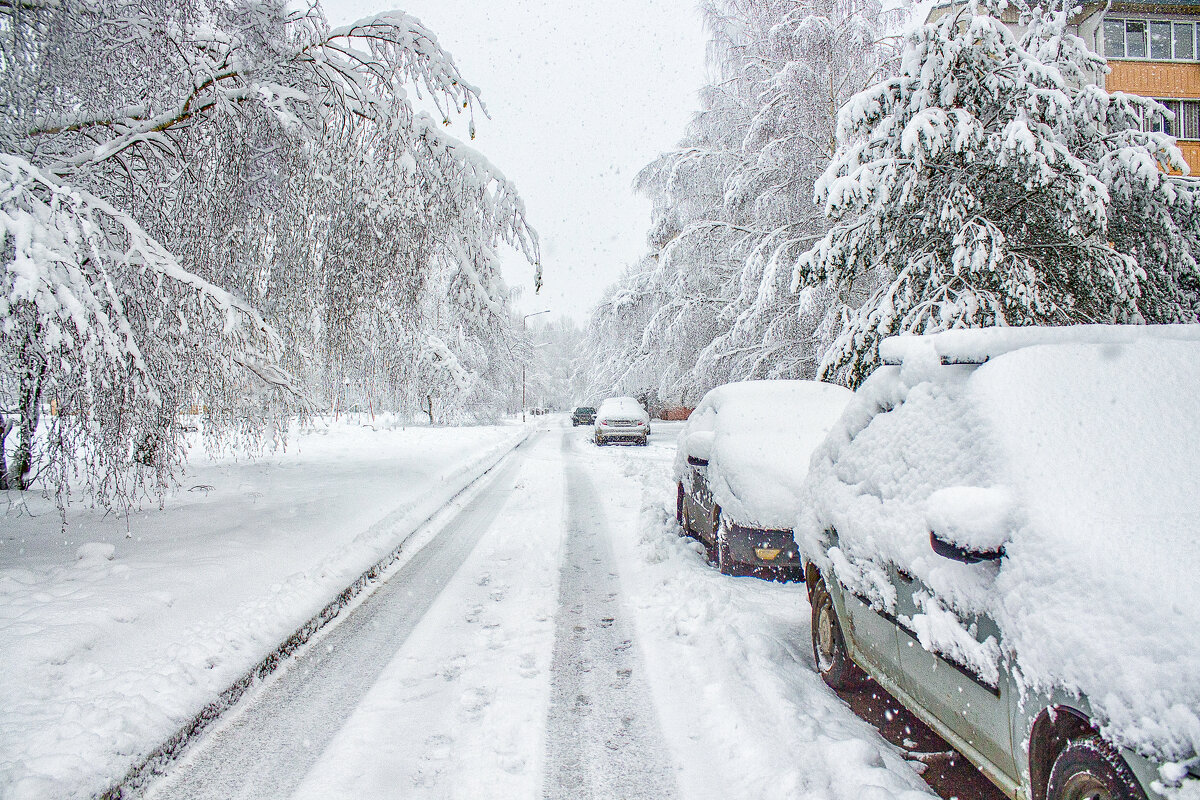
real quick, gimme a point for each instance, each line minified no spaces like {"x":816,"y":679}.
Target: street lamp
{"x":524,"y":319}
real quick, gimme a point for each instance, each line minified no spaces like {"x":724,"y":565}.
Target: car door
{"x":872,"y":634}
{"x":964,"y":701}
{"x":698,"y":495}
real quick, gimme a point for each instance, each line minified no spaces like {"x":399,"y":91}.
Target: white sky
{"x":582,"y":95}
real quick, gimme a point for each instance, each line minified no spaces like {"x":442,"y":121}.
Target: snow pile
{"x":1082,"y":460}
{"x":763,"y":435}
{"x":109,"y":642}
{"x":975,"y":345}
{"x":731,"y":666}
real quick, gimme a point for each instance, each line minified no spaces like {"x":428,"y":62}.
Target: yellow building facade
{"x":1154,"y":51}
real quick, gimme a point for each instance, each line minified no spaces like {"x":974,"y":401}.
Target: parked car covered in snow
{"x":583,"y":415}
{"x":739,"y":464}
{"x":1004,"y":532}
{"x":622,"y":419}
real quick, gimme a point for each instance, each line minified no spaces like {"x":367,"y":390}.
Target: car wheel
{"x":1089,"y":769}
{"x":645,"y":441}
{"x":829,"y":647}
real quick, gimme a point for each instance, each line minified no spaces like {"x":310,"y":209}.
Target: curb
{"x":155,"y":763}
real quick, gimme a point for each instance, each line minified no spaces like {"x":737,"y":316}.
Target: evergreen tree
{"x":993,"y":183}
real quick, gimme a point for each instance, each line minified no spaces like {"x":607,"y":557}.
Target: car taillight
{"x":603,"y":422}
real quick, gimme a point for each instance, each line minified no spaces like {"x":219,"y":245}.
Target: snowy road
{"x":603,"y":738}
{"x":270,"y":743}
{"x":556,"y":639}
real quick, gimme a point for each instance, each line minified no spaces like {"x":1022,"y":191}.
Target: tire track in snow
{"x":268,"y":744}
{"x":602,"y":737}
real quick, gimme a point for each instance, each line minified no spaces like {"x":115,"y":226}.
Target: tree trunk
{"x":429,"y":407}
{"x":6,"y":425}
{"x":31,"y":381}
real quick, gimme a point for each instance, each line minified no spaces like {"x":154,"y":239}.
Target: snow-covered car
{"x":1003,"y":530}
{"x":622,"y":419}
{"x":740,"y":462}
{"x":583,"y":415}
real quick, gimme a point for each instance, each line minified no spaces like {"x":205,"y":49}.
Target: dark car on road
{"x":583,"y":415}
{"x":739,"y":463}
{"x":1002,"y":532}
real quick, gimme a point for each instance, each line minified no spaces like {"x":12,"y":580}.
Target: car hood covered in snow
{"x":764,"y":433}
{"x":1085,"y":459}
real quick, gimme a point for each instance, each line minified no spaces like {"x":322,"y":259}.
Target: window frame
{"x":1179,"y":127}
{"x":1146,"y":43}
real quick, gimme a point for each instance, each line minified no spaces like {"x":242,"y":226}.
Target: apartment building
{"x":1153,"y":50}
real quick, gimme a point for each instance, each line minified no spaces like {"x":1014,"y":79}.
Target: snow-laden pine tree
{"x":992,"y":183}
{"x":214,"y":204}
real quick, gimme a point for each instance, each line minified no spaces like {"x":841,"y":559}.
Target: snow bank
{"x":109,"y":642}
{"x":1082,"y":459}
{"x":731,"y":667}
{"x":763,"y":435}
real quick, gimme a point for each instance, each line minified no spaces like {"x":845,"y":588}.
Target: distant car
{"x":1003,"y":532}
{"x":583,"y":415}
{"x":622,"y":419}
{"x":741,"y":459}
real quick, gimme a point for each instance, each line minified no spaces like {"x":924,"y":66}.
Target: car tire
{"x":645,"y":441}
{"x":833,"y":660}
{"x":1089,"y":767}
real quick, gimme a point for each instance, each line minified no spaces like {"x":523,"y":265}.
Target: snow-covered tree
{"x":991,"y":183}
{"x":733,"y":204}
{"x":215,"y":203}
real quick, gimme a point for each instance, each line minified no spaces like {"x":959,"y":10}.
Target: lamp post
{"x":524,"y":319}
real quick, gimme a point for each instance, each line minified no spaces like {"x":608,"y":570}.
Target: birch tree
{"x":199,"y":201}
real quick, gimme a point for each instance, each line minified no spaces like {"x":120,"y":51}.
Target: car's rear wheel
{"x":1089,"y":769}
{"x":837,"y":669}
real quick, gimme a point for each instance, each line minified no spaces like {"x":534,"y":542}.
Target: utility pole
{"x":524,"y":319}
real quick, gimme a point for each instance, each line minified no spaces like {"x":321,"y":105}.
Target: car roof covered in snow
{"x":622,"y":405}
{"x":977,"y":345}
{"x":1092,"y":443}
{"x":764,"y":433}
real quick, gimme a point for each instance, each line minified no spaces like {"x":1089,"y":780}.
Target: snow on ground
{"x":459,"y":711}
{"x":115,"y":632}
{"x":110,"y":655}
{"x":730,"y":659}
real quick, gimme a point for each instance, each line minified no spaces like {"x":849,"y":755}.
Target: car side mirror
{"x":948,"y":549}
{"x":699,"y":448}
{"x":970,"y":523}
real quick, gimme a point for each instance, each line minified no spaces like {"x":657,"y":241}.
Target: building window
{"x":1186,"y":122}
{"x":1184,"y":47}
{"x":1158,"y":40}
